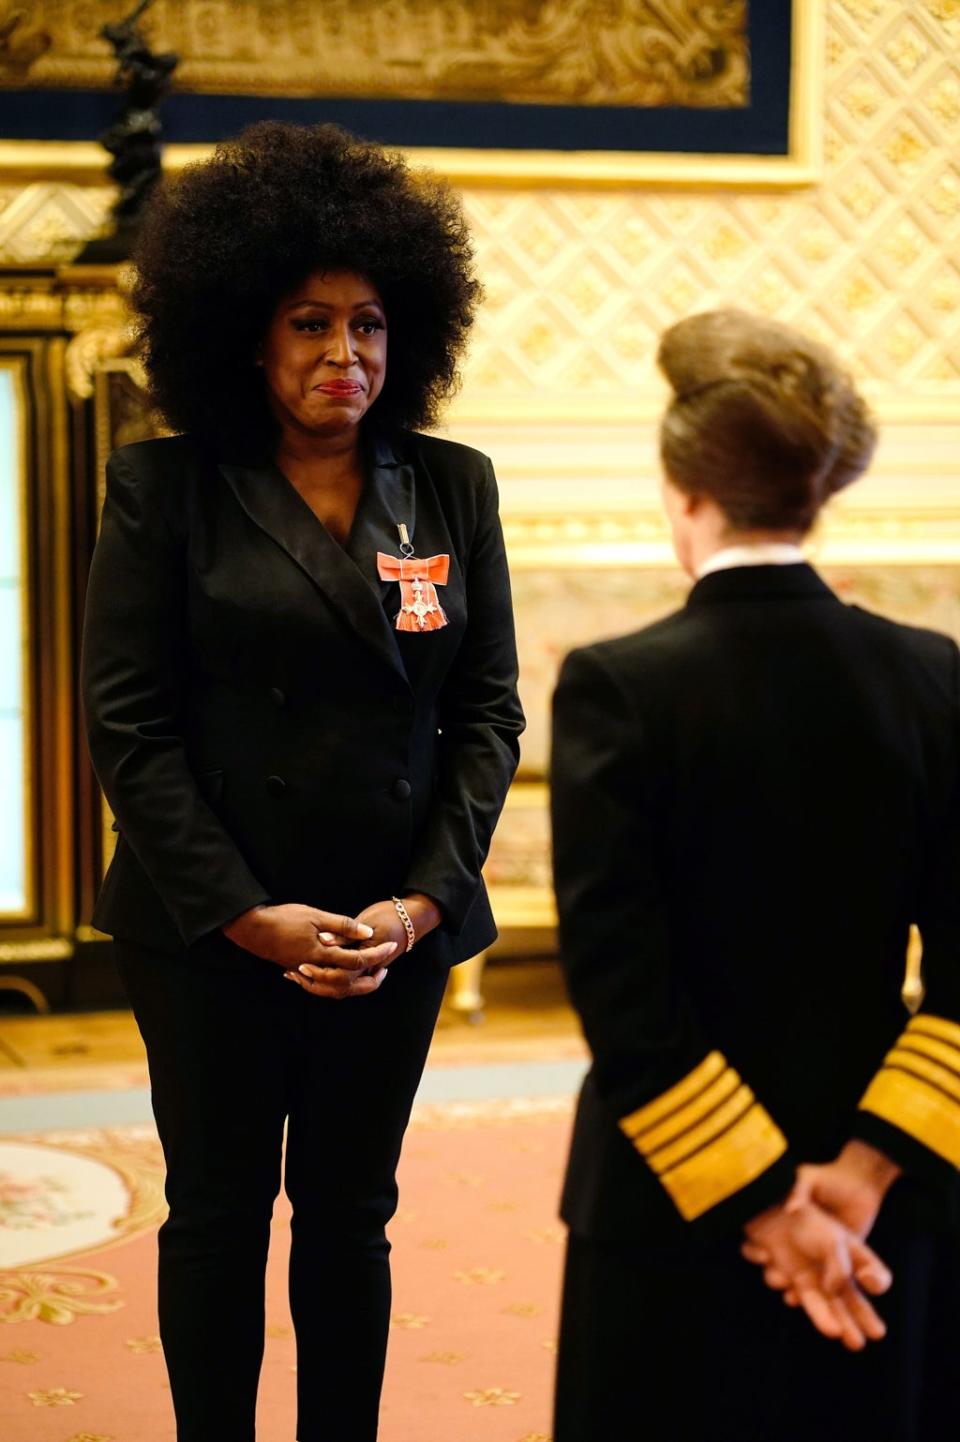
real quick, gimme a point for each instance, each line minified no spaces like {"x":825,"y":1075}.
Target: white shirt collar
{"x":769,"y":553}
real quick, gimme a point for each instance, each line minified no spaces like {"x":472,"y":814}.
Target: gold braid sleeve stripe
{"x":678,"y":1096}
{"x":918,"y":1087}
{"x":725,"y":1165}
{"x":706,"y":1137}
{"x":936,"y":1026}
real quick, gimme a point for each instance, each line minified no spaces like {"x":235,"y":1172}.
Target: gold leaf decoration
{"x":480,"y":1277}
{"x":55,"y":1397}
{"x":492,"y":1397}
{"x":446,"y":1359}
{"x":143,"y":1346}
{"x":56,"y":1297}
{"x":409,"y":1321}
{"x":22,"y":1358}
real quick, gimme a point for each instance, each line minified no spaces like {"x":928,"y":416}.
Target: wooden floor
{"x":527,"y":1018}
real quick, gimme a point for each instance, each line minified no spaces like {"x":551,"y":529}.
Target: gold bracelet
{"x":407,"y":923}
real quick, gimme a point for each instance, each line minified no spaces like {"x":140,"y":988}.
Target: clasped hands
{"x":327,"y":954}
{"x":813,"y":1248}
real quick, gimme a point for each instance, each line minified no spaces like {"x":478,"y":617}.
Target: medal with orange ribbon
{"x":420,"y":608}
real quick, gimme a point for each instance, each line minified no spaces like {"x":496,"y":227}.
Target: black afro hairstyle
{"x":226,"y":239}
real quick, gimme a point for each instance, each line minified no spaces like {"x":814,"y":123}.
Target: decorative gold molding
{"x":580,"y":52}
{"x":56,"y":948}
{"x":593,"y":540}
{"x":17,"y":366}
{"x":83,"y":161}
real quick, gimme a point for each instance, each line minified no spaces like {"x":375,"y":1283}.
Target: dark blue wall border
{"x":758,"y":129}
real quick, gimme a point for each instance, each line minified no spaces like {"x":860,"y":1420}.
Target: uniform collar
{"x":771,"y":553}
{"x":764,"y":582}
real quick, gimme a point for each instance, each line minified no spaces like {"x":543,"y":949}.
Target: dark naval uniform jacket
{"x":753,"y":800}
{"x":260,"y":729}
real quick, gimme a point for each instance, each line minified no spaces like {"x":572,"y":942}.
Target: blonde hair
{"x":763,"y":420}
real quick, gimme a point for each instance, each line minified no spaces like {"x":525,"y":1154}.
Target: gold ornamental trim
{"x":802,"y":165}
{"x":55,"y":948}
{"x":579,"y":52}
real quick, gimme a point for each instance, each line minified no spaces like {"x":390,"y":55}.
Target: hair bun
{"x":796,"y":379}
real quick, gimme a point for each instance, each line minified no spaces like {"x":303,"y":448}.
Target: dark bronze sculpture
{"x":134,"y":137}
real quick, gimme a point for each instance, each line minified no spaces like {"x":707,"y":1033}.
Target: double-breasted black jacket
{"x":752,"y":801}
{"x":260,"y":729}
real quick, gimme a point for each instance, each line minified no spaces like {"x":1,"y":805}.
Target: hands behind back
{"x":821,"y":1266}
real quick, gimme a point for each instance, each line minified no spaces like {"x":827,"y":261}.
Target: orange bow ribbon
{"x":420,"y":608}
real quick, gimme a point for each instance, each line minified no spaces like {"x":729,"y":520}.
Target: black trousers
{"x":232,"y":1058}
{"x":695,"y":1348}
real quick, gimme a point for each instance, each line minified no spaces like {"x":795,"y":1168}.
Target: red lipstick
{"x":340,"y":388}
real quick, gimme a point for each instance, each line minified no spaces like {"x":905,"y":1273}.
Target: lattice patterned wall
{"x":580,"y":284}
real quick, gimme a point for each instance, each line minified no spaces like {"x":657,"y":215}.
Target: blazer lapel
{"x":274,"y":505}
{"x":389,"y":498}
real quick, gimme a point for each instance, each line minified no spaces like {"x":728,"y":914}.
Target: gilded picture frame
{"x":796,"y":164}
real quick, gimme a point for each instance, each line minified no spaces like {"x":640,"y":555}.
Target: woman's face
{"x":324,"y":355}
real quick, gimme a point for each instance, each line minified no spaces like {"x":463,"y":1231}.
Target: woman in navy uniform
{"x":300,"y":691}
{"x":753,"y":800}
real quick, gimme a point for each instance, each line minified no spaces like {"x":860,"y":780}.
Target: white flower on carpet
{"x":34,"y":1202}
{"x":55,"y":1397}
{"x":492,"y":1397}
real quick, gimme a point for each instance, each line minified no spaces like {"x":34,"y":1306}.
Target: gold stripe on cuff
{"x":917,"y":1105}
{"x":919,"y":1044}
{"x":726,"y":1164}
{"x":678,"y":1096}
{"x":685,"y":1118}
{"x":718,"y":1121}
{"x":936,"y":1026}
{"x":905,"y":1059}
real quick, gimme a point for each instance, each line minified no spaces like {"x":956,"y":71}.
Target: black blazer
{"x":752,"y":801}
{"x":261,"y":731}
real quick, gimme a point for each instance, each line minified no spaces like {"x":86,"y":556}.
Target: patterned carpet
{"x":477,"y":1255}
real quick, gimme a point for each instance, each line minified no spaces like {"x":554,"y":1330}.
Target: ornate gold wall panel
{"x":610,"y":52}
{"x":579,"y":285}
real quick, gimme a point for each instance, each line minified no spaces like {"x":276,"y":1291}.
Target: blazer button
{"x":402,"y":789}
{"x":276,"y":785}
{"x":277,"y":696}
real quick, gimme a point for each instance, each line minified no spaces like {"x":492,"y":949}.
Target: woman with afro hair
{"x":300,"y":691}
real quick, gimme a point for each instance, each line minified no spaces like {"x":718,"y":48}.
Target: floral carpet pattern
{"x":477,"y":1259}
